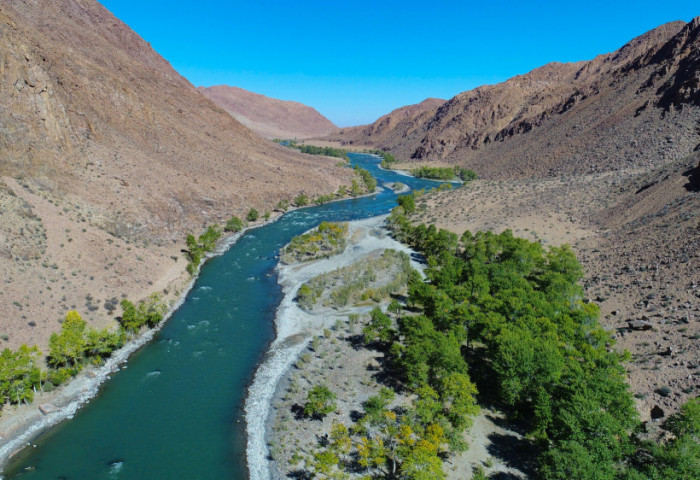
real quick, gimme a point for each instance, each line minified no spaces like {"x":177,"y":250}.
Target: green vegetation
{"x":282,"y":205}
{"x":320,"y":401}
{"x":369,"y":280}
{"x":252,"y":215}
{"x":197,"y":248}
{"x":70,"y":350}
{"x":326,"y":151}
{"x":369,"y":182}
{"x":301,"y":200}
{"x":148,"y":313}
{"x":321,"y":199}
{"x":234,"y":225}
{"x":444,"y":173}
{"x":387,"y":158}
{"x":313,"y":150}
{"x":407,"y":202}
{"x":520,"y":308}
{"x":76,"y":345}
{"x":324,"y":241}
{"x":20,"y":375}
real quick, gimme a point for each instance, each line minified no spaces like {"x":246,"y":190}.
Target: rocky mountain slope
{"x":603,"y":155}
{"x":269,"y":117}
{"x":399,"y":126}
{"x":635,"y":107}
{"x":108,"y":159}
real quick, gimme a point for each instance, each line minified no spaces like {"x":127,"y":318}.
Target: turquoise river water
{"x":176,"y":410}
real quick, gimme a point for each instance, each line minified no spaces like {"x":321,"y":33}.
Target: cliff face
{"x":108,"y":155}
{"x":269,"y":117}
{"x":635,"y":107}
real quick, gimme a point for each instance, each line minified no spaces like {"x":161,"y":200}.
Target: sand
{"x":295,"y":328}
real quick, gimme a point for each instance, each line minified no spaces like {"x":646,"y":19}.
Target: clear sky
{"x":355,"y":61}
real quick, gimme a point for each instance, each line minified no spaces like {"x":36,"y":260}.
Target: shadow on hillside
{"x":693,"y":175}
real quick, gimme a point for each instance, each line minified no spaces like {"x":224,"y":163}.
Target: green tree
{"x":282,"y":205}
{"x":407,"y":202}
{"x":19,"y":374}
{"x":301,"y":200}
{"x":67,"y":348}
{"x":320,"y":401}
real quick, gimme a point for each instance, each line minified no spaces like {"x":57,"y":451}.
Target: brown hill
{"x":269,"y":117}
{"x":636,"y":107}
{"x":108,"y":159}
{"x":402,"y":125}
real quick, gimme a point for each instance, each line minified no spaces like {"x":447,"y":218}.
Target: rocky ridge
{"x":635,"y":107}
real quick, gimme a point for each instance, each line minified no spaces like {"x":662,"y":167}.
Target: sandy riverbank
{"x":295,"y":328}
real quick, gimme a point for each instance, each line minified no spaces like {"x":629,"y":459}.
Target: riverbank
{"x":295,"y":329}
{"x":19,"y":425}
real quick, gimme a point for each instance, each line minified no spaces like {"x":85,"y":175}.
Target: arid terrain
{"x":108,"y":159}
{"x":269,"y":117}
{"x":637,"y":107}
{"x":600,"y":154}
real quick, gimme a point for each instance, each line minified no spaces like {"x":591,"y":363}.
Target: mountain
{"x":394,"y":128}
{"x":269,"y":117}
{"x":635,"y":107}
{"x":603,"y":155}
{"x":108,"y":158}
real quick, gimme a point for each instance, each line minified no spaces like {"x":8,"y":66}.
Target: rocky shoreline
{"x":295,"y":328}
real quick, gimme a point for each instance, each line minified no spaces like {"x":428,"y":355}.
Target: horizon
{"x":355,"y":77}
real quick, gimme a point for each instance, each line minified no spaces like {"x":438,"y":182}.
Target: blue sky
{"x":355,"y":61}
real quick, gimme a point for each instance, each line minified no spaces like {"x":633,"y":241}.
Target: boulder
{"x":47,"y":408}
{"x":639,"y":325}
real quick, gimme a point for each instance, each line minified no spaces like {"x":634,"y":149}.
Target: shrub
{"x":252,"y":215}
{"x":234,"y":224}
{"x":301,"y":200}
{"x":320,"y":401}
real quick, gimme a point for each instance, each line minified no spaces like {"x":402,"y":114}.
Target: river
{"x":175,"y":410}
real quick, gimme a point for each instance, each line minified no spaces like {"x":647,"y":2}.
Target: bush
{"x":407,"y":202}
{"x":320,"y":401}
{"x":301,"y":200}
{"x":149,"y":313}
{"x":234,"y":224}
{"x":252,"y":215}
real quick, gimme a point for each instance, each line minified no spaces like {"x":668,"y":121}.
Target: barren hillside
{"x":269,"y":117}
{"x":399,"y":126}
{"x":108,"y":159}
{"x":636,"y":107}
